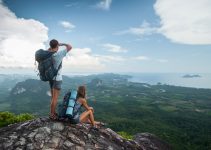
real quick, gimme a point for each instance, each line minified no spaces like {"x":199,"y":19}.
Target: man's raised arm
{"x":68,"y":46}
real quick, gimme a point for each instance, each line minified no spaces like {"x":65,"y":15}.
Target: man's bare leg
{"x":55,"y":95}
{"x":51,"y":93}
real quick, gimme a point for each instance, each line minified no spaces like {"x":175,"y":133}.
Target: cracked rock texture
{"x":42,"y":133}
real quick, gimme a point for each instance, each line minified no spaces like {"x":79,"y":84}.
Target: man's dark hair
{"x":53,"y":43}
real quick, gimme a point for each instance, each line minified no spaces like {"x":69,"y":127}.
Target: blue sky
{"x":110,"y":35}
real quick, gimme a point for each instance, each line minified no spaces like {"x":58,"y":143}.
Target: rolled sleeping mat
{"x":71,"y":103}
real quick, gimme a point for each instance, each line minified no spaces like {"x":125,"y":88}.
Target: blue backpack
{"x":47,"y":71}
{"x":66,"y":109}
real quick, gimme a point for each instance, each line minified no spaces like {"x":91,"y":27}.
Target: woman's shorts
{"x":76,"y":119}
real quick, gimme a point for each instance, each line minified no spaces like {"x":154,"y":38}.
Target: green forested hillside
{"x":179,"y":115}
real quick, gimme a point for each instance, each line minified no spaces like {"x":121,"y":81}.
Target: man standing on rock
{"x":56,"y":83}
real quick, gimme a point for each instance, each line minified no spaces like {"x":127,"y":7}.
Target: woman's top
{"x":76,"y":112}
{"x":77,"y":108}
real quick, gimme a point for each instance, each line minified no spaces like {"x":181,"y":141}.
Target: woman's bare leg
{"x":87,"y":120}
{"x":87,"y":114}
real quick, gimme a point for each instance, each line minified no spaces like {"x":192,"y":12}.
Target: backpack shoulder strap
{"x":60,"y":65}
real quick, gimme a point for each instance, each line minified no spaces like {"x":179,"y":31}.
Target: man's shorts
{"x":55,"y":84}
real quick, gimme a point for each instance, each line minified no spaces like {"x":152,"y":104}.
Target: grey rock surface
{"x":42,"y":133}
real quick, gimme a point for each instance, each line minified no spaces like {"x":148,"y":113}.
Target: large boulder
{"x":42,"y":133}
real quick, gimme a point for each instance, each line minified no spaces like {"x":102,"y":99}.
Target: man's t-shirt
{"x":58,"y":57}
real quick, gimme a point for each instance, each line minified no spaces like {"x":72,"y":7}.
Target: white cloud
{"x":114,"y":48}
{"x":144,"y":29}
{"x":19,"y":39}
{"x":185,"y":21}
{"x":146,"y":58}
{"x":181,"y":21}
{"x":71,"y":5}
{"x":141,"y":58}
{"x":82,"y":59}
{"x":104,"y":4}
{"x":110,"y":58}
{"x":67,"y":25}
{"x":162,"y":60}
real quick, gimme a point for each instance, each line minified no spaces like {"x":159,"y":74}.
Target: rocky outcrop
{"x":43,"y":133}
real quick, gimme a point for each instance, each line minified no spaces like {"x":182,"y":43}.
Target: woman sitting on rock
{"x":87,"y":116}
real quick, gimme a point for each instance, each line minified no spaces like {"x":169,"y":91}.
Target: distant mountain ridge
{"x":31,"y":96}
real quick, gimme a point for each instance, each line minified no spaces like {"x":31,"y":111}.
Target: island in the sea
{"x":191,"y":76}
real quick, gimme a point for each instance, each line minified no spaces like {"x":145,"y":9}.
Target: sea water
{"x":177,"y":79}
